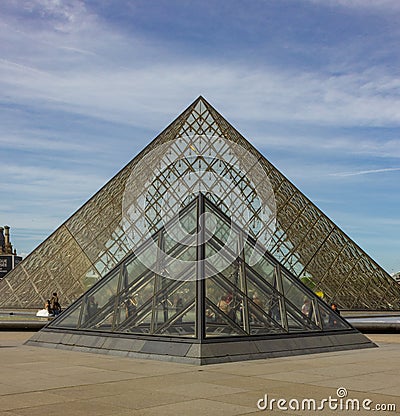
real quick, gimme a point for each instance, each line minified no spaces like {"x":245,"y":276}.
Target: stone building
{"x":8,"y":256}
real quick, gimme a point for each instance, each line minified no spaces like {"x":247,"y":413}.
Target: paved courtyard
{"x":40,"y":381}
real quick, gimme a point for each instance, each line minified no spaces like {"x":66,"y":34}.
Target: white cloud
{"x":325,"y":143}
{"x":99,"y":72}
{"x":47,"y":183}
{"x":364,"y":172}
{"x":375,"y":5}
{"x":28,"y":141}
{"x":61,"y":15}
{"x":115,"y":94}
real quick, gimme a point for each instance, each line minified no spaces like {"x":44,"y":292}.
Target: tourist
{"x":335,"y":308}
{"x":255,"y":314}
{"x":48,"y":307}
{"x":178,"y":308}
{"x":55,"y":304}
{"x":223,"y":305}
{"x":306,"y":308}
{"x":91,"y":308}
{"x":131,"y":306}
{"x":332,"y":317}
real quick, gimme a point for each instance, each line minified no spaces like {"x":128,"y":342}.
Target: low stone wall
{"x":192,"y":352}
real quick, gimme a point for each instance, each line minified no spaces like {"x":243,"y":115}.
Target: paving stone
{"x":96,"y":384}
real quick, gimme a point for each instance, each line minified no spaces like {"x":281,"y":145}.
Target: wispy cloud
{"x":52,"y":182}
{"x":266,"y":94}
{"x":382,"y":6}
{"x":98,"y":83}
{"x":28,"y":141}
{"x":364,"y":172}
{"x":325,"y":142}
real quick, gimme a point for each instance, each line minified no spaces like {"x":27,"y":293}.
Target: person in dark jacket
{"x":55,"y":304}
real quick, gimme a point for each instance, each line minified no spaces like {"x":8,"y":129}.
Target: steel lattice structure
{"x":98,"y":236}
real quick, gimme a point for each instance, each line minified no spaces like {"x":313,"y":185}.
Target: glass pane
{"x":179,"y":250}
{"x":135,"y":305}
{"x":302,"y":300}
{"x":227,"y":300}
{"x":297,"y":321}
{"x":182,"y":323}
{"x":91,"y":309}
{"x":188,"y":220}
{"x":142,"y":323}
{"x":180,"y":263}
{"x":260,"y":322}
{"x":180,"y":230}
{"x":218,"y":324}
{"x":264,"y":297}
{"x":229,"y":267}
{"x":69,"y":319}
{"x":177,"y":236}
{"x":134,"y":268}
{"x":330,"y":319}
{"x":263,"y":267}
{"x":217,"y":226}
{"x":106,"y":293}
{"x":173,"y":297}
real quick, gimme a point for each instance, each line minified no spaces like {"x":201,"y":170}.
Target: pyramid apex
{"x":200,"y":98}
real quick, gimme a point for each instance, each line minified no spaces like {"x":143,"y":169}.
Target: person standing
{"x":332,"y":317}
{"x":55,"y":304}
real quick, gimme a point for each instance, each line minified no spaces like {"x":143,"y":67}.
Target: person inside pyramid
{"x":210,"y":315}
{"x":91,"y":308}
{"x":306,"y":308}
{"x":223,"y":305}
{"x":255,"y":315}
{"x":131,"y":306}
{"x":178,"y":304}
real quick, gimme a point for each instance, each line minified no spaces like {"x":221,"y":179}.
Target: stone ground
{"x":39,"y":382}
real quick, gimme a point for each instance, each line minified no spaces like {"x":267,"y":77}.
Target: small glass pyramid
{"x":193,"y":279}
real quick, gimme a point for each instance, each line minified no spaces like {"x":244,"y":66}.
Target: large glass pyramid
{"x":197,"y":284}
{"x":199,"y":152}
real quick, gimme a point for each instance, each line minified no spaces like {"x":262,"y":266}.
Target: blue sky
{"x":313,"y":84}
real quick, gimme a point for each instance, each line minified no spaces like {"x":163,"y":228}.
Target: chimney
{"x":7,"y":244}
{"x":2,"y":245}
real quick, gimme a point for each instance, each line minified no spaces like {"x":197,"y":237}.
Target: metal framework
{"x":122,"y":215}
{"x":238,"y":301}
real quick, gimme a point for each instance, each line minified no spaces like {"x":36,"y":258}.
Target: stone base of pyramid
{"x":194,"y":352}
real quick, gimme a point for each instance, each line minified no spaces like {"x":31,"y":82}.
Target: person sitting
{"x":48,"y":307}
{"x":46,"y":311}
{"x":223,"y":305}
